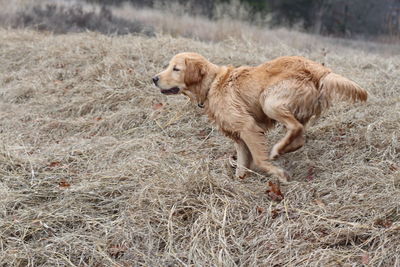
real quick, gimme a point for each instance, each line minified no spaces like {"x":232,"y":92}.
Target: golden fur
{"x":245,"y":102}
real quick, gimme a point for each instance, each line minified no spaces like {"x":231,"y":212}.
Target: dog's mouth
{"x":171,"y":91}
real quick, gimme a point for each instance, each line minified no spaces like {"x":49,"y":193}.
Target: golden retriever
{"x":245,"y":102}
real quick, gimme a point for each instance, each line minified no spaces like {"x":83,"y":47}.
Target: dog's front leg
{"x":254,"y":139}
{"x":244,"y":159}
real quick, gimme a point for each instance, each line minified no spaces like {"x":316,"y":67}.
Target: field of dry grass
{"x":97,"y":168}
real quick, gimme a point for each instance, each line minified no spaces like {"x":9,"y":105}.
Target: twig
{"x":358,"y":225}
{"x":177,"y":116}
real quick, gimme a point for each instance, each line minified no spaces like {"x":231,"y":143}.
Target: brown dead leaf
{"x":275,"y":213}
{"x":117,"y":251}
{"x":365,"y":258}
{"x":274,"y":192}
{"x":158,"y":106}
{"x":203,"y":133}
{"x":310,"y":173}
{"x":60,"y":65}
{"x":320,"y":203}
{"x":393,"y":167}
{"x":54,"y":164}
{"x":64,"y":184}
{"x":98,"y":118}
{"x":386,"y":223}
{"x":260,"y":210}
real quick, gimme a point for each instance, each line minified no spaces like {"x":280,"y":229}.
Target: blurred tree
{"x":393,"y":18}
{"x":257,"y":5}
{"x":118,"y":2}
{"x":337,"y":17}
{"x":290,"y":12}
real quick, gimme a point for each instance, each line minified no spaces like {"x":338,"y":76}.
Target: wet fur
{"x":245,"y":102}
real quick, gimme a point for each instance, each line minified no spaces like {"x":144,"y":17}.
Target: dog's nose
{"x":155,"y":79}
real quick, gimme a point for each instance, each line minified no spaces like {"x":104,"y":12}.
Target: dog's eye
{"x":175,"y":69}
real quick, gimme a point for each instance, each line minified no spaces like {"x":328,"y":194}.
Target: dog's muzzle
{"x":171,"y":91}
{"x":155,"y":80}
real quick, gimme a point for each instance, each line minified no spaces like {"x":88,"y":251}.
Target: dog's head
{"x":184,"y":74}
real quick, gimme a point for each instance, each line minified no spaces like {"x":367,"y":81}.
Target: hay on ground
{"x":97,"y":168}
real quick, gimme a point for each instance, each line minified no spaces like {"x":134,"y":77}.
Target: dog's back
{"x":294,"y":67}
{"x":304,"y":86}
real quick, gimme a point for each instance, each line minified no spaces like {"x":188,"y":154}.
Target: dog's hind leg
{"x":292,"y":103}
{"x":294,"y":138}
{"x":253,"y":137}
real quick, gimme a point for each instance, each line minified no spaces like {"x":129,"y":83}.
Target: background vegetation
{"x":337,"y":17}
{"x":358,"y":19}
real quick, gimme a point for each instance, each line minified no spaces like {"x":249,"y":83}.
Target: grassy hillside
{"x":97,"y":168}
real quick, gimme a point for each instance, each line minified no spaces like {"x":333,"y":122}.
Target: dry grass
{"x":94,"y":171}
{"x":231,"y":23}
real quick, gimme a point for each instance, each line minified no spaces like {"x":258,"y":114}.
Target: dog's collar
{"x":201,"y":99}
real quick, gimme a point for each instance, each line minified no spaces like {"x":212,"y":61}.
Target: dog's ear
{"x":195,"y":71}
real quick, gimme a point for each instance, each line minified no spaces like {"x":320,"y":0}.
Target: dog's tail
{"x":336,"y":87}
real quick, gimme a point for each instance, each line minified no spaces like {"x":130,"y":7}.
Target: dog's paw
{"x":233,"y":161}
{"x":240,"y":173}
{"x":284,"y":177}
{"x":274,"y":153}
